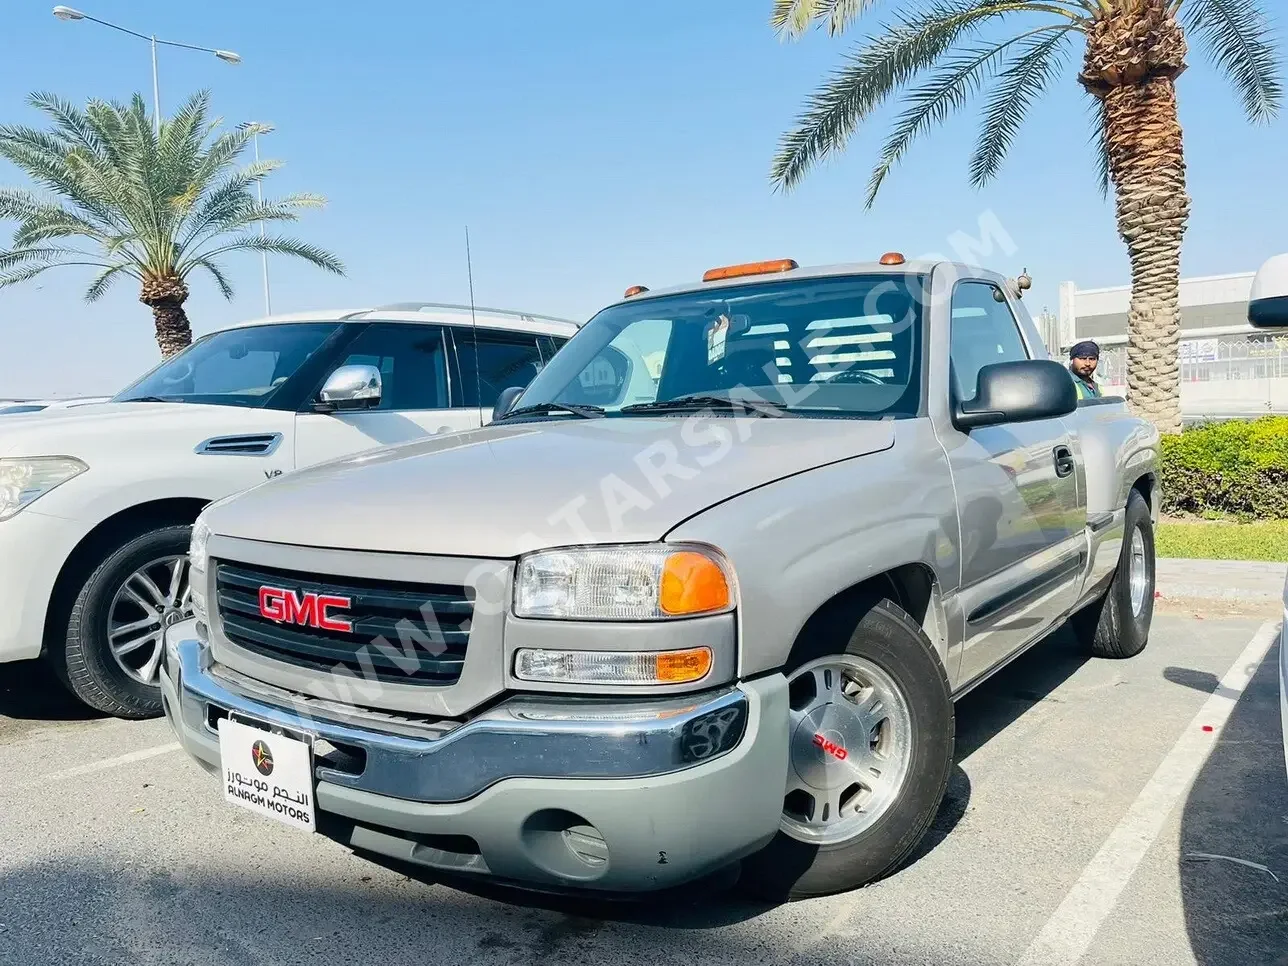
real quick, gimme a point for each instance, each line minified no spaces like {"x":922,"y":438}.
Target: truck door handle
{"x":1063,"y":461}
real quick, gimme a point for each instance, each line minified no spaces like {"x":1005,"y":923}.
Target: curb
{"x":1245,"y":580}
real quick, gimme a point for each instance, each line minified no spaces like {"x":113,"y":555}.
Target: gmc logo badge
{"x":308,"y":609}
{"x":832,"y":748}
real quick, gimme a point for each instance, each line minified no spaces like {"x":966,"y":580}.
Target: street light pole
{"x":227,"y":56}
{"x":259,"y":191}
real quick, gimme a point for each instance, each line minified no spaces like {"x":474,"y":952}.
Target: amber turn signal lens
{"x":750,"y":268}
{"x":635,"y":290}
{"x":892,"y":258}
{"x":692,"y":584}
{"x":681,"y":667}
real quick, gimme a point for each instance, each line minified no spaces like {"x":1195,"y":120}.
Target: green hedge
{"x":1235,"y":468}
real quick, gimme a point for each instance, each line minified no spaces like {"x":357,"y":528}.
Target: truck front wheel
{"x":108,"y":651}
{"x":872,"y":732}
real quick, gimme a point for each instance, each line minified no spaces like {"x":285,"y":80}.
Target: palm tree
{"x":150,"y":206}
{"x":1133,"y":52}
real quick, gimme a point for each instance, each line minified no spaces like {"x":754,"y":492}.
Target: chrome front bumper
{"x":638,"y":794}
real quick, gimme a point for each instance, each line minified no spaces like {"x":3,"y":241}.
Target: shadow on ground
{"x":1237,"y":915}
{"x":89,"y":913}
{"x":30,"y":692}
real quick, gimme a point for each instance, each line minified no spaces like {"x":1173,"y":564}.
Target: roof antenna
{"x":474,"y":326}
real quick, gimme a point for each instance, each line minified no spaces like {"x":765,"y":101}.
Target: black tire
{"x":789,"y":869}
{"x":1109,"y":627}
{"x":79,"y":652}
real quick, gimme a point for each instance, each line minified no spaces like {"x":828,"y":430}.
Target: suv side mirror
{"x":505,"y":401}
{"x":1268,"y":303}
{"x":1016,"y":392}
{"x":351,"y":387}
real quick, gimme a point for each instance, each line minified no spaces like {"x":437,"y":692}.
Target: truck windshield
{"x":834,"y":346}
{"x":236,"y":367}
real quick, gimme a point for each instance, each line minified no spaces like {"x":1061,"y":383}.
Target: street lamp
{"x":256,"y":130}
{"x":227,"y":56}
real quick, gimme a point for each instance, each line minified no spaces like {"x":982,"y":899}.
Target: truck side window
{"x":412,"y":360}
{"x":504,"y":359}
{"x":983,"y":332}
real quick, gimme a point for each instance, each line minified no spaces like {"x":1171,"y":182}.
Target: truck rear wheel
{"x":109,"y":650}
{"x":1117,"y":625}
{"x":871,"y":755}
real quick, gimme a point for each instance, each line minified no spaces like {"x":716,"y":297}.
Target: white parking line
{"x":1069,"y":932}
{"x":97,"y":766}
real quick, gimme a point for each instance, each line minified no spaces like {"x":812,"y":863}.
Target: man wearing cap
{"x":1083,"y":359}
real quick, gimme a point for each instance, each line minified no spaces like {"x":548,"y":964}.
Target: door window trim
{"x":1006,"y":301}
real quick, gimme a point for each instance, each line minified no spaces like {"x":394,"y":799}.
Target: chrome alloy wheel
{"x":150,"y":600}
{"x":851,"y":749}
{"x":1138,"y":573}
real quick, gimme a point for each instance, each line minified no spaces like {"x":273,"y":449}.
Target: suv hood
{"x":116,"y":429}
{"x":504,"y":490}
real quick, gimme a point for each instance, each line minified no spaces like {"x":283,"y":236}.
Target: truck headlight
{"x":25,"y":480}
{"x":198,"y":563}
{"x":622,"y":583}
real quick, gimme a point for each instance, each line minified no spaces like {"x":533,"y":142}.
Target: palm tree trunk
{"x":1147,"y":165}
{"x":166,"y":296}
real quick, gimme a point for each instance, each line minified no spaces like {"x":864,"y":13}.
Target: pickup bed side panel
{"x":797,"y":543}
{"x":1113,"y":450}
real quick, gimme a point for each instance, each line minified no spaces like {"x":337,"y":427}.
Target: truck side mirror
{"x":1017,"y":392}
{"x":1268,"y":303}
{"x":505,"y":401}
{"x":351,"y":387}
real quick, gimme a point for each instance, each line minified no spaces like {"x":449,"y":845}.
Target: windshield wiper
{"x":160,"y":399}
{"x":541,"y":409}
{"x":761,"y":407}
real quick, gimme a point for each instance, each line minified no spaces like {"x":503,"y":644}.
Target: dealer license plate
{"x":268,"y":774}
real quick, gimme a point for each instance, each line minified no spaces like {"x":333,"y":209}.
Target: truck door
{"x":1018,"y":503}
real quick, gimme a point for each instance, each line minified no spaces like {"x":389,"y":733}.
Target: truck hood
{"x":504,"y":490}
{"x":113,"y":430}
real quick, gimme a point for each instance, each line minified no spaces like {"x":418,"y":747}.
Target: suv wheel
{"x":109,"y":653}
{"x":871,"y":753}
{"x":1117,"y":625}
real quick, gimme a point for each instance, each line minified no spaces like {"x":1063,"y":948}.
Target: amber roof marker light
{"x":750,"y":268}
{"x":893,"y":258}
{"x":635,"y":290}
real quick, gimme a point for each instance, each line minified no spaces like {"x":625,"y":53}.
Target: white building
{"x":1227,"y":367}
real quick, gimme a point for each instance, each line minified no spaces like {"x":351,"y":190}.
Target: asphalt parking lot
{"x":1093,"y":818}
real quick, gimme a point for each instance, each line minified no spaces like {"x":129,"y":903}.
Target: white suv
{"x":96,"y":502}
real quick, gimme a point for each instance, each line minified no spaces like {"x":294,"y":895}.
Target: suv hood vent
{"x":258,"y":444}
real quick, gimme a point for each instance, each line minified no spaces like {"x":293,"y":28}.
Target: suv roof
{"x":440,"y":312}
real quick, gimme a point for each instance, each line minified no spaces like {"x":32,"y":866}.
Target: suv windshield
{"x":835,"y":346}
{"x":236,"y":367}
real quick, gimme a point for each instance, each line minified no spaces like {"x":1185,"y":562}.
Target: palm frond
{"x":791,"y":18}
{"x":1027,"y":76}
{"x":274,"y":245}
{"x":221,"y":280}
{"x":1239,"y":42}
{"x":876,"y":71}
{"x":1099,"y":141}
{"x":104,"y":280}
{"x":947,"y":91}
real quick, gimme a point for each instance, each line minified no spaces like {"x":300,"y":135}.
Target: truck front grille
{"x":398,"y":632}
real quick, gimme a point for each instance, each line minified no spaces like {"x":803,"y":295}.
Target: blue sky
{"x":589,"y":146}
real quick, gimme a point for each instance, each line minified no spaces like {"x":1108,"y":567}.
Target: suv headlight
{"x":25,"y":480}
{"x":623,"y":583}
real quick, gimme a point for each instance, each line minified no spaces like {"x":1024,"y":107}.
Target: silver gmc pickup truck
{"x":700,"y":598}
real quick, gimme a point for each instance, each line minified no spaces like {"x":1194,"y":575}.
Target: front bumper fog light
{"x":641,"y":668}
